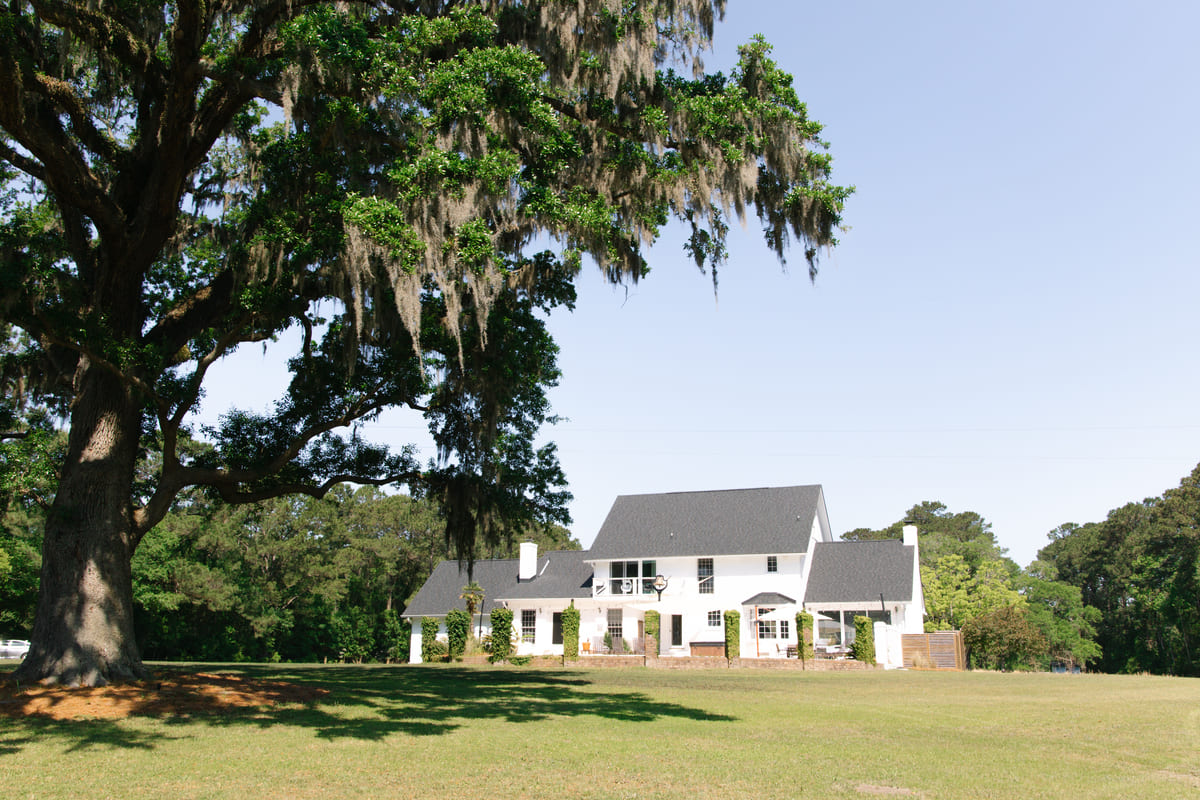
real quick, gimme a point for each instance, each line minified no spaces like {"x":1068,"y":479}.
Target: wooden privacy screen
{"x":940,"y":650}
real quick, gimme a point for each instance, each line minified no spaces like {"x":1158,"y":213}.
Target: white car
{"x":13,"y":648}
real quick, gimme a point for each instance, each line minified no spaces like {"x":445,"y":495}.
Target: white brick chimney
{"x":528,"y":565}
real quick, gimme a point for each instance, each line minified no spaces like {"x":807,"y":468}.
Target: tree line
{"x":1122,"y":595}
{"x":287,"y":579}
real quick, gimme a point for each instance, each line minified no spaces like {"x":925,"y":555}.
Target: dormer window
{"x":772,"y":563}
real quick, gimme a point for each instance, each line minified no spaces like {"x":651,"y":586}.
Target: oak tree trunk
{"x":83,"y":631}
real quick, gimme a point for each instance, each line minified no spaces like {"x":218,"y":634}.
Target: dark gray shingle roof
{"x":560,"y":574}
{"x":851,"y":572}
{"x":728,"y":522}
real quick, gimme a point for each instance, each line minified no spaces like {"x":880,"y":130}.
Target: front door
{"x":677,"y":630}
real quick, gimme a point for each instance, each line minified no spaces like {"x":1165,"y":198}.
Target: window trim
{"x":529,"y":629}
{"x":705,"y":580}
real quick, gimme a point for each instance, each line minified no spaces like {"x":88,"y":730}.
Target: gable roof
{"x":769,"y":599}
{"x":727,"y":522}
{"x":560,"y":574}
{"x":852,"y":572}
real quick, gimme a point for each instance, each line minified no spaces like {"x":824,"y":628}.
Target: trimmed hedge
{"x":733,"y":634}
{"x":458,"y":627}
{"x":804,"y":636}
{"x":501,"y":634}
{"x":863,"y":648}
{"x":570,"y":631}
{"x":429,"y":629}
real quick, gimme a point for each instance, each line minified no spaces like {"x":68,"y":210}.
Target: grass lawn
{"x":455,"y":732}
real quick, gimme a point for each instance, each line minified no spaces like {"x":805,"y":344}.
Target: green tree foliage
{"x":372,"y":177}
{"x":965,"y":534}
{"x":395,"y":637}
{"x":1057,"y":610}
{"x":1140,"y":568}
{"x":954,"y":594}
{"x":1003,"y":638}
{"x":292,"y":578}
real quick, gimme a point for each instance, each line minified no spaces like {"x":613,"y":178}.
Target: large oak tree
{"x":182,"y":179}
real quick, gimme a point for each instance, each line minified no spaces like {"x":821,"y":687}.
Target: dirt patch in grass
{"x":169,"y":695}
{"x":870,"y":788}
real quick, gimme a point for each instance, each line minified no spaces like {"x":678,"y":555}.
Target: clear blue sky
{"x":1009,"y":325}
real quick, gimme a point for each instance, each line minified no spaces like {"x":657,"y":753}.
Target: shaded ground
{"x":169,"y":694}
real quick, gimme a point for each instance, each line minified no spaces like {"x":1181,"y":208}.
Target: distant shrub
{"x":438,"y":651}
{"x":520,"y":661}
{"x":863,"y":647}
{"x":393,"y":637}
{"x":458,"y":628}
{"x":653,"y":627}
{"x":501,"y":634}
{"x":804,"y":636}
{"x":570,"y":631}
{"x":1003,"y":639}
{"x":429,"y":630}
{"x":733,"y":634}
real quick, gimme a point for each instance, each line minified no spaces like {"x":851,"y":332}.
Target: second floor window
{"x":704,"y":575}
{"x":624,"y":577}
{"x":772,"y":563}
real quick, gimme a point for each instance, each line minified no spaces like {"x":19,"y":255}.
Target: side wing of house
{"x":442,"y":592}
{"x":537,"y":590}
{"x":876,"y":579}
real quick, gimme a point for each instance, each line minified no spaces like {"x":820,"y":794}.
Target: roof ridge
{"x":724,"y":491}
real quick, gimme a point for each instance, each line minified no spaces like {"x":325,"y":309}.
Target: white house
{"x":691,"y":556}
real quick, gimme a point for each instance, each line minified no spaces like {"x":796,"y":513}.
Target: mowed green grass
{"x":482,"y":732}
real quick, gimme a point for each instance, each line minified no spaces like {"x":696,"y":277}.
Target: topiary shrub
{"x":863,"y":648}
{"x":570,"y":631}
{"x":501,"y":634}
{"x":804,"y":636}
{"x":653,"y":627}
{"x":733,"y":634}
{"x":429,"y":629}
{"x":458,"y":628}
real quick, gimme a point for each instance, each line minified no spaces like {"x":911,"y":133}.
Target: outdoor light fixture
{"x":660,"y":583}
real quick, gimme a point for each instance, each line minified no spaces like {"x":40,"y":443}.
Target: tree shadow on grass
{"x":372,"y":703}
